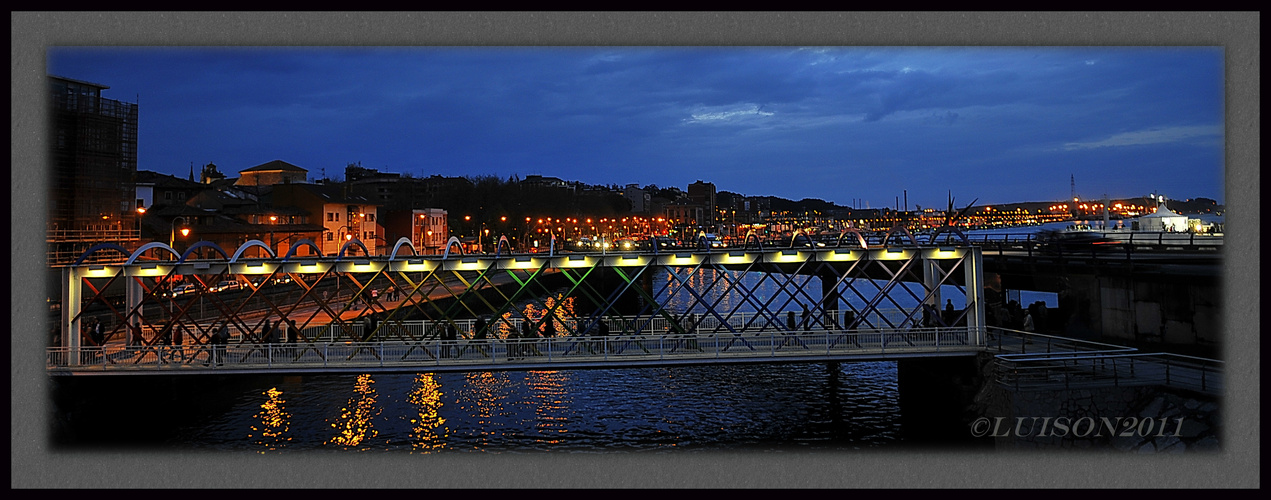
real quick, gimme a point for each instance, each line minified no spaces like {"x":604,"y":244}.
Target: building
{"x":343,"y":216}
{"x":703,"y":193}
{"x":389,"y":190}
{"x":274,"y":172}
{"x":93,"y":156}
{"x":154,"y":189}
{"x":639,"y":198}
{"x":425,"y":227}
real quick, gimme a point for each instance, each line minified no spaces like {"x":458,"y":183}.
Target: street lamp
{"x":185,"y":230}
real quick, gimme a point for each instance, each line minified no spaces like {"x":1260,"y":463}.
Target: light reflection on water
{"x":769,"y":407}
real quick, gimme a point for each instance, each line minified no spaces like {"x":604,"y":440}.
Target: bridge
{"x":405,"y":312}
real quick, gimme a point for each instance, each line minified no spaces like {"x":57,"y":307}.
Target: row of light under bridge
{"x":149,"y":319}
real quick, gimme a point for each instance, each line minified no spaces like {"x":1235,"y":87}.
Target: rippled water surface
{"x":766,"y":407}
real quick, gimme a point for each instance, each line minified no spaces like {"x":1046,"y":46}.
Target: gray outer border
{"x":1238,"y":32}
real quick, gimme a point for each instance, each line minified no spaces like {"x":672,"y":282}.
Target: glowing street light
{"x":185,"y":230}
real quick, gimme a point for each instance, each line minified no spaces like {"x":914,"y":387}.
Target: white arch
{"x":148,"y":246}
{"x":403,"y":241}
{"x":252,"y":243}
{"x":454,"y":240}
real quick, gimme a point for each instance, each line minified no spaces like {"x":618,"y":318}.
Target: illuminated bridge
{"x":183,"y":314}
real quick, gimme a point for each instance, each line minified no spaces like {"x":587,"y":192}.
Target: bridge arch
{"x":403,"y":241}
{"x":951,"y":230}
{"x":351,"y":242}
{"x":795,"y":237}
{"x":503,"y":242}
{"x":454,"y":240}
{"x":752,"y":236}
{"x":702,"y":242}
{"x":292,"y":250}
{"x":253,"y":243}
{"x":201,"y":244}
{"x":135,"y":255}
{"x":904,"y":231}
{"x":860,"y":237}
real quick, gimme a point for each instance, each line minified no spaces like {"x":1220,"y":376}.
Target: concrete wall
{"x":1130,"y":419}
{"x":1175,"y":311}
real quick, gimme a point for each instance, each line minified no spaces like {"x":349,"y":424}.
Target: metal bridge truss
{"x":739,"y":297}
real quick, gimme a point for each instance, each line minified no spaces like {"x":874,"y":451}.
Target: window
{"x":330,"y":237}
{"x":330,"y":218}
{"x":370,"y":217}
{"x":167,"y":195}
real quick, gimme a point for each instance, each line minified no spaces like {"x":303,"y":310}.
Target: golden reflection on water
{"x":354,"y":423}
{"x":508,"y":324}
{"x":484,"y":404}
{"x":551,"y":403}
{"x":427,"y":434}
{"x":274,"y":421}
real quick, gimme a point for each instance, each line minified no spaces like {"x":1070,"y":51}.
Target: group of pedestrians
{"x":97,"y":332}
{"x":218,"y":340}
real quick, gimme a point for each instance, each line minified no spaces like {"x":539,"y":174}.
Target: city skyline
{"x":842,"y":124}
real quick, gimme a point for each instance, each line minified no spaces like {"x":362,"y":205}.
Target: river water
{"x":762,"y":407}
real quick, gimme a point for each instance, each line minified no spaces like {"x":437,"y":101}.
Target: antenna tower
{"x":1072,"y":182}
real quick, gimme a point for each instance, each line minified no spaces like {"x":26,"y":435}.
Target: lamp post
{"x":185,"y":231}
{"x":272,"y":219}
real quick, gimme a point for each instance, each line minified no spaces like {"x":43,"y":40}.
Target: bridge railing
{"x":1035,"y":361}
{"x":643,"y":325}
{"x":1008,"y":341}
{"x":1133,"y":369}
{"x":490,"y":353}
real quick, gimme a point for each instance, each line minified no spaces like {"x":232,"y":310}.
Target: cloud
{"x":1149,"y":136}
{"x":727,"y":114}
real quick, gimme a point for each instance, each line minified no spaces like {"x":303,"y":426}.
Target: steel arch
{"x":252,"y":243}
{"x":201,"y":244}
{"x":403,"y":241}
{"x":136,"y":254}
{"x":292,"y":250}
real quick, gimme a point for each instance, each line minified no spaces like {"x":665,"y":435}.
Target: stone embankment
{"x":1149,"y":419}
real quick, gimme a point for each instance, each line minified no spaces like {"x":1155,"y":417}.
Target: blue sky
{"x":852,"y":125}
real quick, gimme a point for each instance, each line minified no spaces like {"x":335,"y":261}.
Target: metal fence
{"x":1032,"y":361}
{"x":490,"y":353}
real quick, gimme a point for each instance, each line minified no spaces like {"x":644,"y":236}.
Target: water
{"x":753,"y":407}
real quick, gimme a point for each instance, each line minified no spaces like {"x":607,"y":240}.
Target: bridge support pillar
{"x":830,"y":301}
{"x":931,"y":276}
{"x":973,"y":264}
{"x":71,"y":297}
{"x":133,"y":295}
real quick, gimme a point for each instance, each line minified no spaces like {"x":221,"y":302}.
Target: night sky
{"x":857,"y":126}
